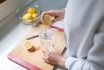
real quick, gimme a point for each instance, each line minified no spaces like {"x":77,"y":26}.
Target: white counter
{"x":9,"y":37}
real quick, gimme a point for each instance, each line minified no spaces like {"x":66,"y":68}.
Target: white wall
{"x":9,"y":6}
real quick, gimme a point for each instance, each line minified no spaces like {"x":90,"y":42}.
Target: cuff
{"x":70,"y":61}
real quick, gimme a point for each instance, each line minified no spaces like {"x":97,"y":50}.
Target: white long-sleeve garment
{"x":84,"y":32}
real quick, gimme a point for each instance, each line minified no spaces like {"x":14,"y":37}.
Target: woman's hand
{"x":53,"y":57}
{"x":58,"y":14}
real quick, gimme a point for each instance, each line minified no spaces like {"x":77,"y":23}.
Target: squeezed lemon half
{"x":47,"y":19}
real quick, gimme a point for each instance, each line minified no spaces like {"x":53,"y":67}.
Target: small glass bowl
{"x":23,"y":10}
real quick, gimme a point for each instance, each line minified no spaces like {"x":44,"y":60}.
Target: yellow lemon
{"x":27,"y":16}
{"x":47,"y":19}
{"x":29,"y":21}
{"x":34,"y":16}
{"x":32,"y":10}
{"x":28,"y":45}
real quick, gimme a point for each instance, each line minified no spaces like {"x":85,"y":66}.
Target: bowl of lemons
{"x":29,"y":12}
{"x":30,"y":16}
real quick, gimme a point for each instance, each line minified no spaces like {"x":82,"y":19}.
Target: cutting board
{"x":33,"y":60}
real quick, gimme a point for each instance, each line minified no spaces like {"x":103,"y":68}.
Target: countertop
{"x":9,"y":37}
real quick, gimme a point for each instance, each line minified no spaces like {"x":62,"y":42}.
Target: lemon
{"x":47,"y":19}
{"x":34,"y":16}
{"x":28,"y":45}
{"x":30,"y":16}
{"x":27,"y":16}
{"x":32,"y":10}
{"x":29,"y":21}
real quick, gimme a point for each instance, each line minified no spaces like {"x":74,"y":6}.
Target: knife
{"x":32,"y":37}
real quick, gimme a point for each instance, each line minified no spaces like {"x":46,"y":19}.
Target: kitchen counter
{"x":9,"y":37}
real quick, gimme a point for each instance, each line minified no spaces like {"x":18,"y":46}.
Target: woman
{"x":84,"y":32}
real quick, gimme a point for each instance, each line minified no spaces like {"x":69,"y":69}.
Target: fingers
{"x":45,"y":60}
{"x":52,"y":48}
{"x":45,"y":51}
{"x":50,"y":57}
{"x":58,"y":14}
{"x":45,"y":55}
{"x":57,"y":19}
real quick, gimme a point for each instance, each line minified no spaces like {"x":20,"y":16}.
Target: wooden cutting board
{"x":33,"y":60}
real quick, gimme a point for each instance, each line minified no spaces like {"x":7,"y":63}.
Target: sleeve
{"x":95,"y":58}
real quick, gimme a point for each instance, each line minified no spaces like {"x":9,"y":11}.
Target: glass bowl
{"x":23,"y":10}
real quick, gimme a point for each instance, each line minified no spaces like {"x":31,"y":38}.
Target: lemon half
{"x":47,"y":19}
{"x":28,"y":45}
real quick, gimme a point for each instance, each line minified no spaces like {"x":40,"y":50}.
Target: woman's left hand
{"x":53,"y":57}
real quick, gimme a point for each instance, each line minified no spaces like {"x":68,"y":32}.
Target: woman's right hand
{"x":58,"y":14}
